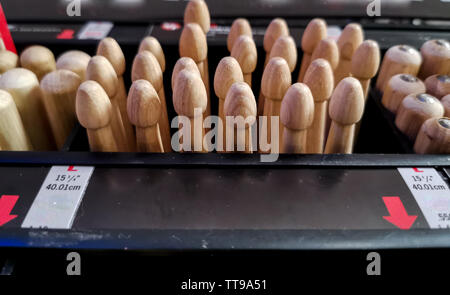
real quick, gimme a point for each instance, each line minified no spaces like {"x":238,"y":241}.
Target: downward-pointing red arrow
{"x":399,"y":217}
{"x":7,"y":203}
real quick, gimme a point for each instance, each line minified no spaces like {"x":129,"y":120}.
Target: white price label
{"x":95,"y":30}
{"x":432,"y":194}
{"x":57,"y":202}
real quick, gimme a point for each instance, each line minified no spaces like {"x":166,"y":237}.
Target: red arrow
{"x":71,"y":169}
{"x":417,"y":170}
{"x":7,"y":203}
{"x":399,"y":217}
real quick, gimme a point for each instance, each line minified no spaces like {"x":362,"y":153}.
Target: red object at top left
{"x":4,"y":32}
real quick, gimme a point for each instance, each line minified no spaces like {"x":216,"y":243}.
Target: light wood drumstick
{"x":285,"y":48}
{"x":184,"y":63}
{"x":446,"y":103}
{"x":400,"y":59}
{"x":93,"y":108}
{"x":438,"y":85}
{"x":100,"y":70}
{"x":328,"y":50}
{"x":75,"y":61}
{"x":244,"y":51}
{"x":351,"y":37}
{"x":193,"y":44}
{"x":314,"y":32}
{"x":144,"y":110}
{"x":434,"y":137}
{"x":190,"y":100}
{"x":38,"y":59}
{"x":2,"y":44}
{"x":152,"y":44}
{"x":275,"y":82}
{"x":12,"y":133}
{"x":227,"y":73}
{"x":277,"y":28}
{"x":297,"y":114}
{"x":146,"y":67}
{"x":346,"y":109}
{"x":436,"y":58}
{"x":59,"y":90}
{"x":365,"y":63}
{"x":23,"y":86}
{"x":414,"y":110}
{"x":320,"y":80}
{"x":8,"y":60}
{"x":109,"y":48}
{"x":399,"y":87}
{"x":240,"y":102}
{"x":239,"y":27}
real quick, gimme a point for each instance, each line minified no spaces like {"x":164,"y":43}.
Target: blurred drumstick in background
{"x":38,"y":59}
{"x":193,"y":44}
{"x":277,"y":28}
{"x":23,"y":86}
{"x":365,"y":63}
{"x":314,"y":32}
{"x":109,"y":48}
{"x":399,"y":87}
{"x":190,"y":100}
{"x":239,"y":27}
{"x":436,"y":58}
{"x":93,"y":108}
{"x":244,"y":51}
{"x":100,"y":70}
{"x":144,"y":110}
{"x":227,"y":73}
{"x":8,"y":60}
{"x":399,"y":59}
{"x":446,"y":103}
{"x":346,"y":109}
{"x":75,"y":61}
{"x":240,"y":102}
{"x":297,"y":114}
{"x":328,"y":50}
{"x":350,"y":39}
{"x":320,"y":80}
{"x":12,"y":133}
{"x":414,"y":110}
{"x":152,"y":44}
{"x":285,"y":48}
{"x":434,"y":137}
{"x":146,"y":67}
{"x":275,"y":82}
{"x":59,"y":90}
{"x":438,"y":85}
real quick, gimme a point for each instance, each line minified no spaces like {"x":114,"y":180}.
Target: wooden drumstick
{"x":434,"y":137}
{"x":275,"y":82}
{"x":227,"y":73}
{"x":399,"y":87}
{"x":8,"y":60}
{"x":320,"y":80}
{"x":190,"y":100}
{"x":152,"y":44}
{"x":438,"y":85}
{"x":297,"y":114}
{"x":400,"y":59}
{"x":240,"y":102}
{"x":286,"y":48}
{"x":329,"y":51}
{"x":239,"y":27}
{"x":2,"y":44}
{"x":109,"y":48}
{"x":75,"y":61}
{"x":100,"y":70}
{"x":446,"y":103}
{"x":59,"y":90}
{"x":93,"y":108}
{"x":23,"y":86}
{"x":365,"y":63}
{"x":244,"y":51}
{"x":346,"y":109}
{"x":144,"y":110}
{"x":193,"y":44}
{"x":277,"y":28}
{"x":12,"y":133}
{"x":314,"y":32}
{"x":436,"y":58}
{"x":414,"y":110}
{"x":351,"y":37}
{"x":38,"y":59}
{"x":146,"y":67}
{"x":184,"y":63}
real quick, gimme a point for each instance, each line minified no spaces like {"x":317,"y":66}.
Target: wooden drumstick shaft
{"x":121,"y":98}
{"x":294,"y":141}
{"x":315,"y":135}
{"x":102,"y":140}
{"x":340,"y":139}
{"x":149,"y":139}
{"x":164,"y":122}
